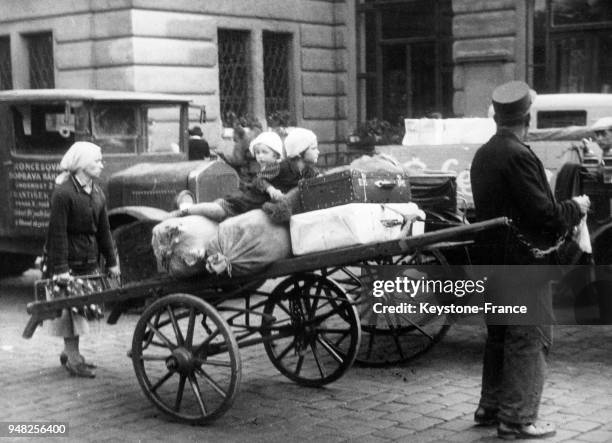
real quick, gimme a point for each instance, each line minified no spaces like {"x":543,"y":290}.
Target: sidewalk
{"x":431,"y":399}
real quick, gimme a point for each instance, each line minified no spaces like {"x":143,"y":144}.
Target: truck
{"x":144,"y":141}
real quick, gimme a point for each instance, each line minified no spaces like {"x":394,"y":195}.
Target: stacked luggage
{"x":376,"y":203}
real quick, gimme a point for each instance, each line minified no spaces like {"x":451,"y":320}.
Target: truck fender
{"x":128,"y":214}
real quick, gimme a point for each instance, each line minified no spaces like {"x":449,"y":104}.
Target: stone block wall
{"x":489,"y":49}
{"x":155,"y":46}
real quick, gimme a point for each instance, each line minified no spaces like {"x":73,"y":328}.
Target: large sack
{"x":179,"y":244}
{"x":354,"y":224}
{"x":246,"y":244}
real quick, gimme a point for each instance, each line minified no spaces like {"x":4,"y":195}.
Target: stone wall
{"x":160,"y":46}
{"x":489,"y":49}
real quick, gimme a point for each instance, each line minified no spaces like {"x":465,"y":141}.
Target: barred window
{"x":6,"y":80}
{"x":40,"y":55}
{"x":276,"y":64}
{"x":234,"y":74}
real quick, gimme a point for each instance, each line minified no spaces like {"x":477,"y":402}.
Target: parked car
{"x":143,"y":137}
{"x":563,"y":110}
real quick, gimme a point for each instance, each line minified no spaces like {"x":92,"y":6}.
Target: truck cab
{"x":144,"y":143}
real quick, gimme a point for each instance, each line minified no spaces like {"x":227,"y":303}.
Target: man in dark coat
{"x":509,"y":180}
{"x":198,"y":147}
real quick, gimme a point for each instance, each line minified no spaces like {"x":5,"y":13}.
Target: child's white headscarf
{"x":298,"y":140}
{"x":271,"y":140}
{"x":78,"y":156}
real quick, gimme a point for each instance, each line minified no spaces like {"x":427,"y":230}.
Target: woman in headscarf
{"x":78,"y":234}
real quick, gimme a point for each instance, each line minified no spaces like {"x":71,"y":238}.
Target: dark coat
{"x":198,"y":149}
{"x":79,"y":230}
{"x":509,"y":180}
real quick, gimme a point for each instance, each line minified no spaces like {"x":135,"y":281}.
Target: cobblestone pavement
{"x":431,"y":399}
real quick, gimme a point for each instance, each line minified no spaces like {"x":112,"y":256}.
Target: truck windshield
{"x":163,"y":128}
{"x":130,"y":129}
{"x":115,"y":128}
{"x":42,"y":129}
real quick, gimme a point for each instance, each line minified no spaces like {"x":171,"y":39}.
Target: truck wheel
{"x":15,"y":264}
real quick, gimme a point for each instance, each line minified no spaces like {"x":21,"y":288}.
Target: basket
{"x":53,"y":288}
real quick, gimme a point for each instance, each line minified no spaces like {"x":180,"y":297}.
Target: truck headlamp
{"x":184,"y":200}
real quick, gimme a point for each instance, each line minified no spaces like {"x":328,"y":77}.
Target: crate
{"x":50,"y":289}
{"x":353,"y":186}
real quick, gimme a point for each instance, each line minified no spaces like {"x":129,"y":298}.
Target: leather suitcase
{"x":353,"y":186}
{"x":436,"y":192}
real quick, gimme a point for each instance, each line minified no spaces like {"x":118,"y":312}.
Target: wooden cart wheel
{"x":390,"y":339}
{"x":186,"y":358}
{"x":311,"y":329}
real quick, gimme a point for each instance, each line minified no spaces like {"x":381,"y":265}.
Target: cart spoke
{"x":206,"y":342}
{"x":211,"y":382}
{"x":315,"y":354}
{"x":198,"y":394}
{"x":175,"y":326}
{"x":155,"y":343}
{"x":153,"y":357}
{"x":330,"y":348}
{"x":179,"y":393}
{"x":210,"y":362}
{"x":161,"y":381}
{"x":286,"y":350}
{"x":163,"y":338}
{"x":298,"y":367}
{"x":346,"y":334}
{"x":190,"y":328}
{"x":283,"y":307}
{"x":149,"y":335}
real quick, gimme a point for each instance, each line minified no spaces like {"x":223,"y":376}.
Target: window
{"x":276,"y":57}
{"x":561,"y":119}
{"x":405,"y":61}
{"x":234,"y":74}
{"x":164,"y":129}
{"x":6,"y":80}
{"x":43,"y":129}
{"x":40,"y":58}
{"x":572,"y":42}
{"x":115,"y":128}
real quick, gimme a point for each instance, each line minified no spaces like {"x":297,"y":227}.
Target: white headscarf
{"x":298,"y":140}
{"x":271,"y":140}
{"x":78,"y":156}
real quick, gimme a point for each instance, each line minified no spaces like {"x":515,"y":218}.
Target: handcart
{"x":185,"y":347}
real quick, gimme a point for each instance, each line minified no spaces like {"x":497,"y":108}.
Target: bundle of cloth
{"x":245,"y":244}
{"x":180,"y":243}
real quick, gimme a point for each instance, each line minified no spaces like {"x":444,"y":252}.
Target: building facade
{"x":322,"y":64}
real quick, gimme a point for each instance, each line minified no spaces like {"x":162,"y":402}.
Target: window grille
{"x":405,"y":63}
{"x":40,"y":54}
{"x":6,"y":80}
{"x":234,"y":73}
{"x":572,"y":45}
{"x":276,"y":54}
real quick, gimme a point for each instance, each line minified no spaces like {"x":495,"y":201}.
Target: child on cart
{"x":276,"y":177}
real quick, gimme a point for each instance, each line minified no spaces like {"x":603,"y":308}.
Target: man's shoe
{"x":79,"y":370}
{"x":527,"y":431}
{"x":485,"y":417}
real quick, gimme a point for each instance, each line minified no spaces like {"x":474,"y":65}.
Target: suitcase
{"x":354,"y":224}
{"x":353,"y":186}
{"x":435,"y":192}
